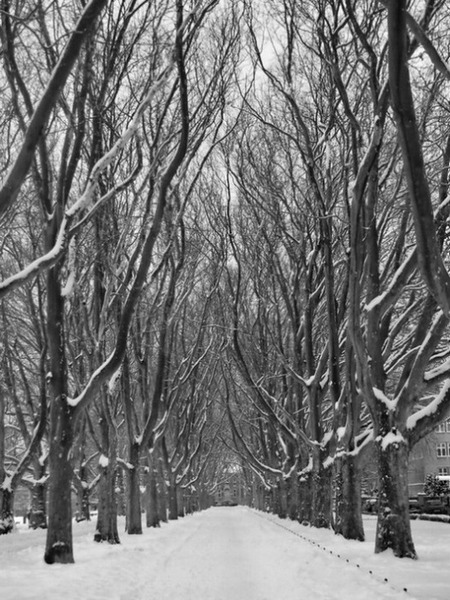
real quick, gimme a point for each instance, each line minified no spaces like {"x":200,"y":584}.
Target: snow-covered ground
{"x":227,"y":554}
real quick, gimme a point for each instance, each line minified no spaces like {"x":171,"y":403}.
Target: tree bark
{"x":429,"y":258}
{"x":348,"y":521}
{"x":134,"y":517}
{"x":180,"y":501}
{"x":59,"y":547}
{"x":393,"y":526}
{"x":282,"y":504}
{"x":106,"y":529}
{"x":162,"y":498}
{"x":173,"y":499}
{"x":305,"y":499}
{"x":61,"y":431}
{"x":6,"y":494}
{"x":38,"y":511}
{"x":320,"y":492}
{"x":6,"y":510}
{"x":152,"y":512}
{"x":293,"y":499}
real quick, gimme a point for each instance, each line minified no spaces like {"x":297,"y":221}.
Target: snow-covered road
{"x":221,"y":554}
{"x":236,"y":554}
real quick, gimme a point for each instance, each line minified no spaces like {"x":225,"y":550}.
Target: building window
{"x":444,"y":471}
{"x":441,"y":450}
{"x":443,"y":427}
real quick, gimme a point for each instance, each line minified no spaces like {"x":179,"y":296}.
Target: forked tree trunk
{"x":394,"y":526}
{"x":348,"y":521}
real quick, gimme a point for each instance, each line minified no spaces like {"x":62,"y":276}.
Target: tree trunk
{"x":38,"y":513}
{"x":321,"y":497}
{"x":393,"y":526}
{"x":6,"y":510}
{"x":85,"y":503}
{"x":282,"y":504}
{"x":187,"y":502}
{"x":258,"y":496}
{"x":84,"y":494}
{"x":173,"y":499}
{"x":134,"y":516}
{"x":305,"y":498}
{"x":162,"y":498}
{"x":59,"y":534}
{"x":293,"y":499}
{"x":6,"y":494}
{"x":120,"y":493}
{"x":106,"y":529}
{"x":348,"y":522}
{"x":180,"y":501}
{"x":152,"y":512}
{"x":204,"y":500}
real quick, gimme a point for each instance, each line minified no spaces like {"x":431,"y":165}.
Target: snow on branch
{"x":391,"y":405}
{"x":430,"y":409}
{"x":95,"y":375}
{"x":439,"y":372}
{"x":391,"y":438}
{"x":38,"y":265}
{"x":65,"y":233}
{"x":386,"y":299}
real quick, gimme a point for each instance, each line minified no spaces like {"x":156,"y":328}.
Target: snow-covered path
{"x":220,"y":554}
{"x":237,"y":554}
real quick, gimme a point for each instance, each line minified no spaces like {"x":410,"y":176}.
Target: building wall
{"x":230,"y":491}
{"x":431,"y":456}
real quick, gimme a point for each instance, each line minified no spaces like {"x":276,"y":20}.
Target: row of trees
{"x":111,"y":115}
{"x":224,"y":232}
{"x":338,"y":289}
